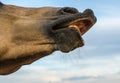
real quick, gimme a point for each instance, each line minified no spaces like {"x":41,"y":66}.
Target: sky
{"x":97,"y":62}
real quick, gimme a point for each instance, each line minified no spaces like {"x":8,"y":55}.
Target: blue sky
{"x":97,"y":62}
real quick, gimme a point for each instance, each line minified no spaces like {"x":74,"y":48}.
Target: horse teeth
{"x":74,"y":26}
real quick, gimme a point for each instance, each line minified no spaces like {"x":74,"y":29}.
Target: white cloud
{"x":72,"y":76}
{"x":107,"y":79}
{"x":94,"y":68}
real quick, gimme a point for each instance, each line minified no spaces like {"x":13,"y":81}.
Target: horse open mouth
{"x":82,"y":25}
{"x":82,"y":22}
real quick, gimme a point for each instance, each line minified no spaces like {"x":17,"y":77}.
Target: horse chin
{"x":68,"y":39}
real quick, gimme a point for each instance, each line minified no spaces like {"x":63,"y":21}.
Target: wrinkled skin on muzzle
{"x":28,"y":34}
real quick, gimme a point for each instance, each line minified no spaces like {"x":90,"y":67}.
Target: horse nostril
{"x":69,"y":10}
